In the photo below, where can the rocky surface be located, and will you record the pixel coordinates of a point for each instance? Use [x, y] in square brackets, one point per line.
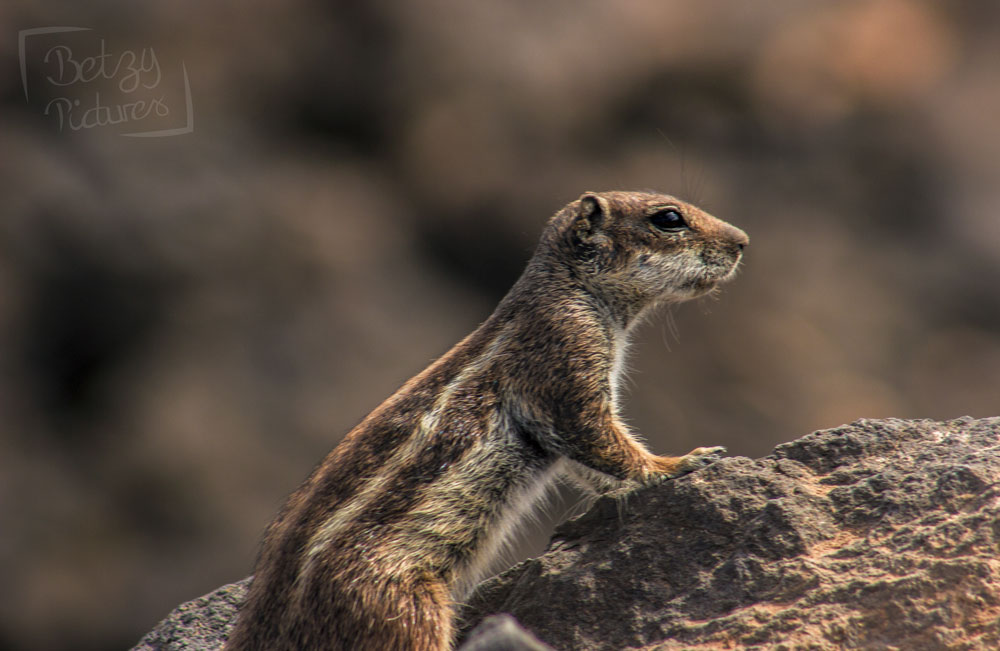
[199, 625]
[501, 633]
[876, 535]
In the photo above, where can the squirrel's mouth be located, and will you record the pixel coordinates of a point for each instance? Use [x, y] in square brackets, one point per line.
[721, 268]
[714, 273]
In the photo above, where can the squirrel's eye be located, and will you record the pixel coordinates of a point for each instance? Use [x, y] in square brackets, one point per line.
[668, 220]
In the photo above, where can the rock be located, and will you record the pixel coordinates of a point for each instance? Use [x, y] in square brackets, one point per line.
[876, 535]
[880, 534]
[502, 633]
[199, 625]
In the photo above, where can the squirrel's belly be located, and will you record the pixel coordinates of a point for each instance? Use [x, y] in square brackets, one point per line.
[462, 520]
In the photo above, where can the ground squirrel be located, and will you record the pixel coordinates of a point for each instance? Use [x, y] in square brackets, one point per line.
[406, 513]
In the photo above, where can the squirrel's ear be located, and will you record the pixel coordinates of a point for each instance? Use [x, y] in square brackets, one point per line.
[591, 216]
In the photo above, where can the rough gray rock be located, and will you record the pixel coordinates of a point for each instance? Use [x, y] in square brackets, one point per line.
[875, 535]
[501, 633]
[201, 624]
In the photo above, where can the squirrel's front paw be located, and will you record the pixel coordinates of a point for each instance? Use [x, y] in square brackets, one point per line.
[697, 459]
[664, 468]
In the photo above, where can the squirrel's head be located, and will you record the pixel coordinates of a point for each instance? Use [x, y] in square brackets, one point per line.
[643, 247]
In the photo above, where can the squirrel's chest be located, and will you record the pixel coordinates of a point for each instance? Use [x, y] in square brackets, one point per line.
[619, 360]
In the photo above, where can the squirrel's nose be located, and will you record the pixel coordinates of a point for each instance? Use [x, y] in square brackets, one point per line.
[738, 237]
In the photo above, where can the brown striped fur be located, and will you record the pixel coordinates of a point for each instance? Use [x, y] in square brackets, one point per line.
[408, 511]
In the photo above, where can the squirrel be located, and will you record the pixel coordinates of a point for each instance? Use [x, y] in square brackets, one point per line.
[373, 551]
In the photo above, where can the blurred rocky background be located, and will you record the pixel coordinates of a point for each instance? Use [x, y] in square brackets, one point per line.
[189, 323]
